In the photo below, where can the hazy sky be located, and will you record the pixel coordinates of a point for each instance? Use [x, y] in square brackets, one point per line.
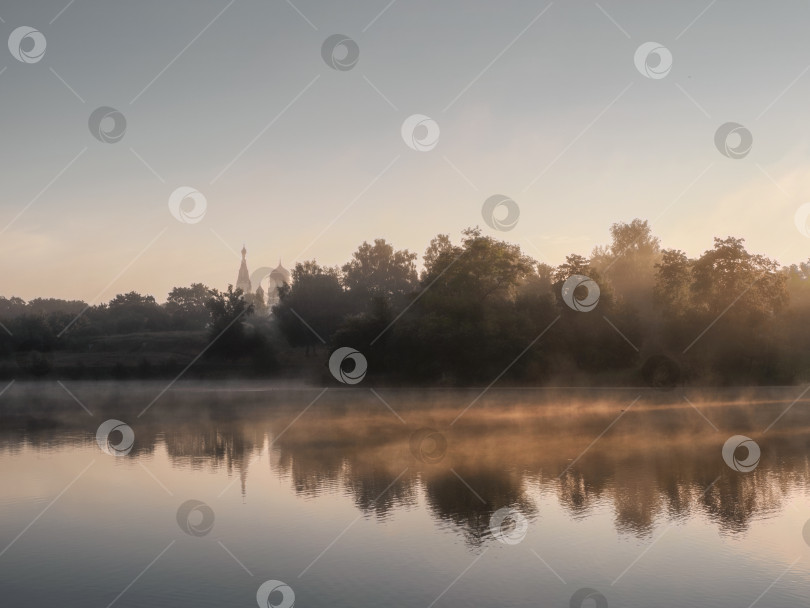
[300, 160]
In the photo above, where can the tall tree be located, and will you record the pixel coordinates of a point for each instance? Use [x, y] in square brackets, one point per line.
[313, 307]
[379, 271]
[188, 305]
[133, 312]
[10, 307]
[728, 273]
[133, 298]
[466, 321]
[228, 311]
[673, 282]
[628, 263]
[482, 268]
[574, 264]
[438, 255]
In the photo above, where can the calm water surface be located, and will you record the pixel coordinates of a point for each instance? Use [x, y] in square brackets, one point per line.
[350, 502]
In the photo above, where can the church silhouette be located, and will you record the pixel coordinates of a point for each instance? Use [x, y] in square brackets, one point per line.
[251, 284]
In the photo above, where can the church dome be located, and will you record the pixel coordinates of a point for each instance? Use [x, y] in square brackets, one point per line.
[280, 274]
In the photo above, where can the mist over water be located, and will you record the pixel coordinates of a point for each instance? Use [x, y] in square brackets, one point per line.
[386, 498]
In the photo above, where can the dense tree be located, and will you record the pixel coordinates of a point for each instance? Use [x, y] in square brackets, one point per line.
[465, 322]
[11, 307]
[574, 264]
[798, 284]
[482, 268]
[133, 298]
[439, 254]
[312, 309]
[673, 283]
[633, 240]
[379, 272]
[226, 331]
[723, 308]
[188, 305]
[628, 264]
[728, 273]
[133, 312]
[49, 306]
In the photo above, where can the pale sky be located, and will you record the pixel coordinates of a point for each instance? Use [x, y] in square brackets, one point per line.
[537, 101]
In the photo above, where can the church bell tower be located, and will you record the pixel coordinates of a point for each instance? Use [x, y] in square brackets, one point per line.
[243, 279]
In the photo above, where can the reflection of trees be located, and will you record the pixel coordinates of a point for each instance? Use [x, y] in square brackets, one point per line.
[378, 489]
[578, 494]
[451, 500]
[214, 445]
[311, 473]
[375, 488]
[660, 460]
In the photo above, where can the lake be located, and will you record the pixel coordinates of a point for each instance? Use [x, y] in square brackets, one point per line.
[120, 494]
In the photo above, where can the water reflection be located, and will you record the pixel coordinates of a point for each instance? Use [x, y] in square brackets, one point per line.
[659, 458]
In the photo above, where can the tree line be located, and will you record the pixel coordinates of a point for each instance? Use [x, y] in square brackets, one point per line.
[481, 309]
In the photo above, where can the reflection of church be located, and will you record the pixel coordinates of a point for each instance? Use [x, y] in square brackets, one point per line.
[276, 277]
